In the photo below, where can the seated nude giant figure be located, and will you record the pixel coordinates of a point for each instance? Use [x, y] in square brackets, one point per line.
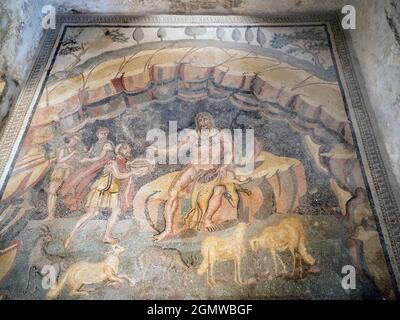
[205, 165]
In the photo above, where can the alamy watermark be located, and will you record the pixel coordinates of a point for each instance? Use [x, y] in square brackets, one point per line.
[49, 277]
[349, 279]
[205, 146]
[349, 20]
[49, 17]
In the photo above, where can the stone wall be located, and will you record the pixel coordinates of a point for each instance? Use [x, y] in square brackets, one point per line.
[373, 43]
[378, 55]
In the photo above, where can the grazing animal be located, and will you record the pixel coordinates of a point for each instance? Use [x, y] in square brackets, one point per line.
[215, 249]
[287, 235]
[164, 259]
[40, 257]
[84, 273]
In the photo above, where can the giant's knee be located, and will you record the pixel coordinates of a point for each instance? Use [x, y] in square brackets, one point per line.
[219, 191]
[173, 192]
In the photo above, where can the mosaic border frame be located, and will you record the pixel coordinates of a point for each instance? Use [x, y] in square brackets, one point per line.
[378, 175]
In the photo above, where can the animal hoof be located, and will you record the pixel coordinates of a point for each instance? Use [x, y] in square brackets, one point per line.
[252, 280]
[110, 240]
[116, 285]
[67, 243]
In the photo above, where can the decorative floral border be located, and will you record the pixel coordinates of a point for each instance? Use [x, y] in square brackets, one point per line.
[383, 191]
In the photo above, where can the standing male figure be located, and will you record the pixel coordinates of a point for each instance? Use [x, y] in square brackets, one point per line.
[101, 148]
[75, 188]
[61, 172]
[109, 192]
